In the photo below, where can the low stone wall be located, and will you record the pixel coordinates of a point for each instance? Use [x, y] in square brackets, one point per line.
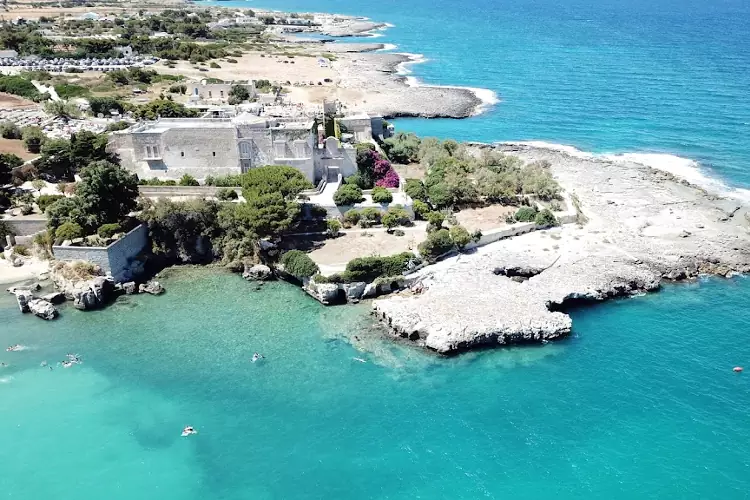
[28, 227]
[117, 260]
[177, 191]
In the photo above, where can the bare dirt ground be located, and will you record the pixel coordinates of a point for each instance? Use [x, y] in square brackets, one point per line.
[9, 101]
[16, 147]
[337, 252]
[484, 218]
[411, 171]
[33, 9]
[257, 66]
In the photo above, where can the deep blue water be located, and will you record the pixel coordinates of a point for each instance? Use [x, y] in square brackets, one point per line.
[640, 402]
[667, 76]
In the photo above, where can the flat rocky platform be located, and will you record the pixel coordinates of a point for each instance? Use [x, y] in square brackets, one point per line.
[644, 226]
[375, 75]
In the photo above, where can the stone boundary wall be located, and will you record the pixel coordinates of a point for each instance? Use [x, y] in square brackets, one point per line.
[28, 227]
[116, 260]
[177, 191]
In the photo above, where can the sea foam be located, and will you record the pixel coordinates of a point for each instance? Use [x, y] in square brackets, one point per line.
[683, 168]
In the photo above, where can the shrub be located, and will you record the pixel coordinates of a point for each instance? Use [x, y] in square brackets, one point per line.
[9, 130]
[27, 209]
[352, 217]
[5, 229]
[356, 180]
[299, 264]
[416, 190]
[526, 214]
[230, 60]
[436, 220]
[348, 194]
[369, 268]
[108, 230]
[381, 195]
[121, 125]
[46, 200]
[227, 194]
[333, 226]
[436, 244]
[371, 214]
[68, 231]
[188, 180]
[545, 218]
[460, 236]
[214, 65]
[33, 138]
[421, 209]
[21, 250]
[395, 217]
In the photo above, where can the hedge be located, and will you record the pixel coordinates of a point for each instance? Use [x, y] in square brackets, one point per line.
[299, 264]
[369, 268]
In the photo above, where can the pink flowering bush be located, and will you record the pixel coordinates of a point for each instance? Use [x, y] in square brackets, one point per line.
[389, 180]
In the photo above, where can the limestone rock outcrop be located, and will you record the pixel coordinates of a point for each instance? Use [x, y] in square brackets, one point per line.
[43, 309]
[151, 287]
[54, 298]
[637, 227]
[257, 272]
[92, 294]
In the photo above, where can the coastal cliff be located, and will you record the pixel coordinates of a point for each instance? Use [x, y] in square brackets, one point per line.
[639, 227]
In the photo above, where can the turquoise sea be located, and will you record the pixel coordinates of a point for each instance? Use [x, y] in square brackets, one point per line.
[639, 402]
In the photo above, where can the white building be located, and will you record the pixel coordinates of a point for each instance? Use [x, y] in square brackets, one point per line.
[170, 148]
[205, 92]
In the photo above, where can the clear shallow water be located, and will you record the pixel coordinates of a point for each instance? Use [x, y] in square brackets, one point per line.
[640, 402]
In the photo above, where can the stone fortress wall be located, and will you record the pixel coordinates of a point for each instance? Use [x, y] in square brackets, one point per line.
[117, 260]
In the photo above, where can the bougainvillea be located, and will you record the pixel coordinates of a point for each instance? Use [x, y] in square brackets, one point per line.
[389, 180]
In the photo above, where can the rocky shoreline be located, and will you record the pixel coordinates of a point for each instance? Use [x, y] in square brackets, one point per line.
[389, 94]
[640, 226]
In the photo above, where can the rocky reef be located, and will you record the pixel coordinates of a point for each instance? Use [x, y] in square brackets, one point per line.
[638, 227]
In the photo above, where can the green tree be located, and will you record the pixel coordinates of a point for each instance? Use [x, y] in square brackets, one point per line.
[435, 220]
[107, 193]
[238, 94]
[348, 194]
[402, 148]
[33, 138]
[381, 195]
[163, 108]
[9, 130]
[333, 226]
[282, 179]
[395, 217]
[105, 105]
[299, 264]
[65, 210]
[436, 244]
[545, 218]
[421, 209]
[188, 180]
[460, 236]
[8, 162]
[62, 109]
[69, 231]
[526, 214]
[416, 190]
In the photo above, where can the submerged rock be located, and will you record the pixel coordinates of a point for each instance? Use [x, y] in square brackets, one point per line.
[152, 287]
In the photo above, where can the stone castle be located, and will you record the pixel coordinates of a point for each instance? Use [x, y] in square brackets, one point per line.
[171, 147]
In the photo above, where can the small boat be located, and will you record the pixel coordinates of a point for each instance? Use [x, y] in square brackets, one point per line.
[360, 360]
[14, 348]
[737, 369]
[188, 431]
